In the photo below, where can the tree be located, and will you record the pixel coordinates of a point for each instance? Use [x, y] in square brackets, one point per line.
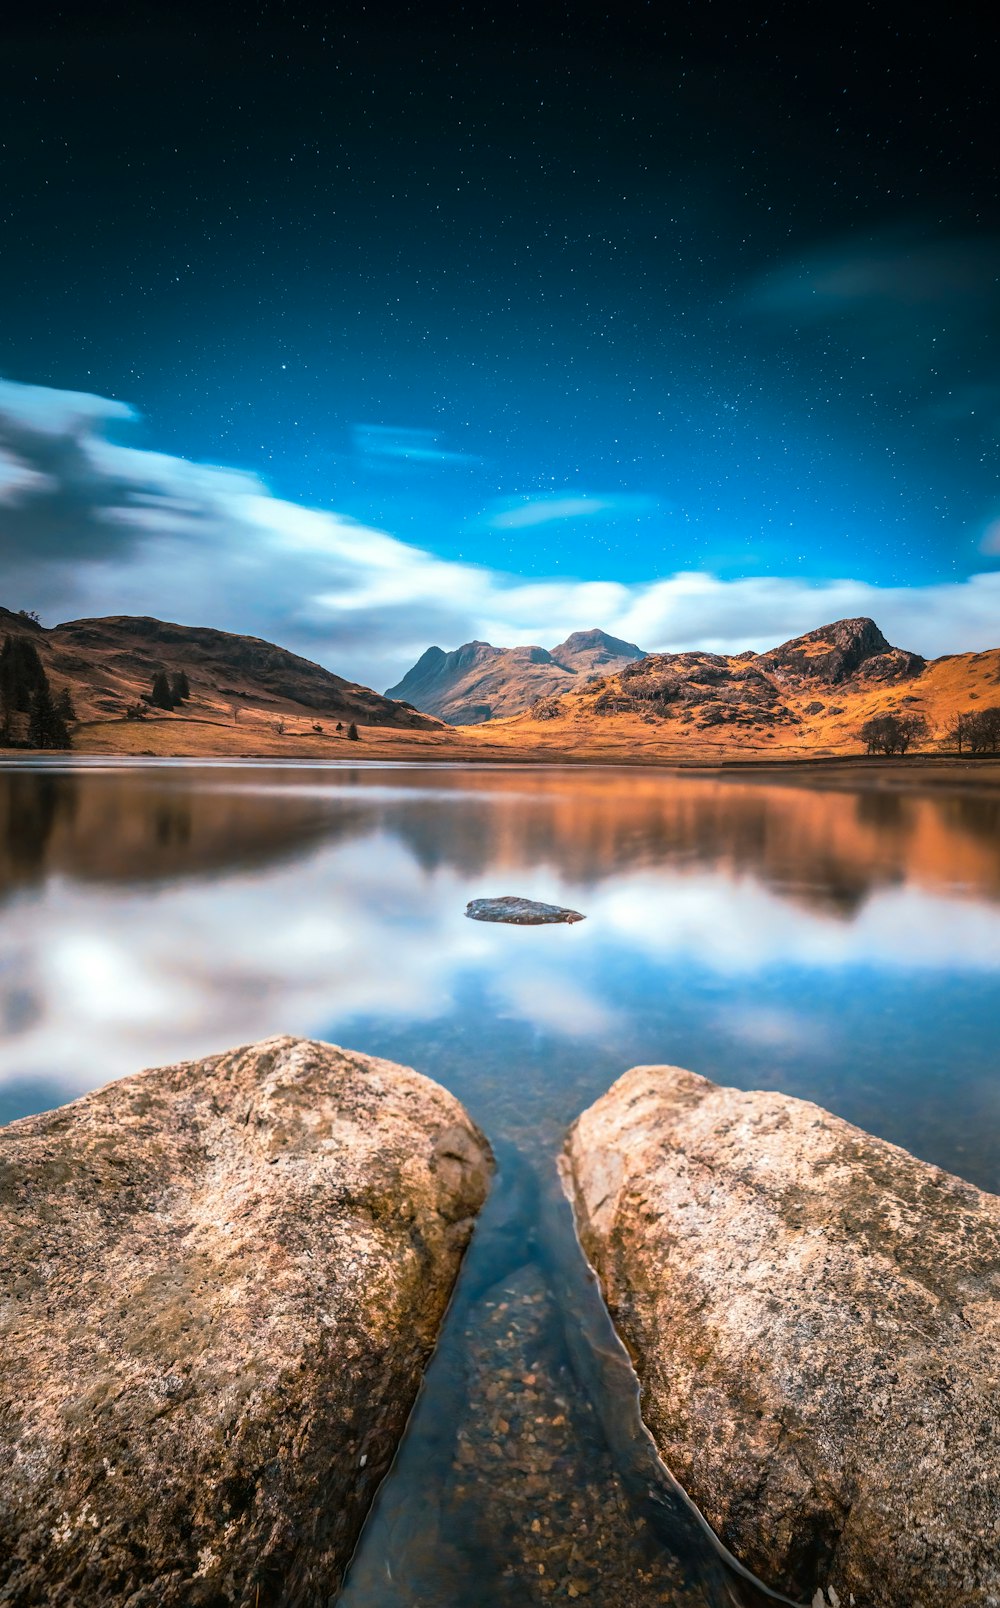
[978, 730]
[180, 687]
[340, 725]
[958, 732]
[352, 732]
[983, 730]
[893, 734]
[46, 726]
[160, 695]
[64, 705]
[22, 675]
[911, 731]
[991, 727]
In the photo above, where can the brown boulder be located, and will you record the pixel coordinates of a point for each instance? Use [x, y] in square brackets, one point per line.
[220, 1284]
[815, 1319]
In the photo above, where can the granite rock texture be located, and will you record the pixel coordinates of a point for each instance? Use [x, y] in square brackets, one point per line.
[220, 1283]
[814, 1316]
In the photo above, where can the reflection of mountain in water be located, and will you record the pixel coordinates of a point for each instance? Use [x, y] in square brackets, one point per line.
[145, 827]
[824, 850]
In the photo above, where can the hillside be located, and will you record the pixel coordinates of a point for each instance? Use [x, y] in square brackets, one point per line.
[478, 682]
[809, 695]
[109, 664]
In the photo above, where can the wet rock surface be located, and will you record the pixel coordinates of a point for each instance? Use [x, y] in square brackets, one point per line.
[220, 1283]
[815, 1317]
[520, 912]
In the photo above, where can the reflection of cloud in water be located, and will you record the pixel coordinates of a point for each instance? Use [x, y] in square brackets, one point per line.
[98, 983]
[762, 1027]
[738, 927]
[533, 994]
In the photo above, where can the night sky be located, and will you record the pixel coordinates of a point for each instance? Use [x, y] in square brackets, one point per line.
[549, 296]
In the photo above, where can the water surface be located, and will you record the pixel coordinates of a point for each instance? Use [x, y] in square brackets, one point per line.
[843, 946]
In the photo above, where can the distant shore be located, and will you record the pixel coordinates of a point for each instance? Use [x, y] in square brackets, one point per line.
[197, 739]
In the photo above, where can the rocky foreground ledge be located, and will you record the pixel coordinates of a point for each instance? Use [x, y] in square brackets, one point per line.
[815, 1319]
[219, 1284]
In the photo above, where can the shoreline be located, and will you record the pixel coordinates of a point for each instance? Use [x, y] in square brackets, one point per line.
[381, 745]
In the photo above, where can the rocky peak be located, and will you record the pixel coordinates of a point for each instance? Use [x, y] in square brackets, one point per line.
[835, 652]
[591, 650]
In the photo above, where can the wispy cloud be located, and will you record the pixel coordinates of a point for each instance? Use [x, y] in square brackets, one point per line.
[523, 512]
[895, 272]
[93, 527]
[395, 444]
[917, 312]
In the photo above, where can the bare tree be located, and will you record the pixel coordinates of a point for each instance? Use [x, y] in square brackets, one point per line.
[893, 734]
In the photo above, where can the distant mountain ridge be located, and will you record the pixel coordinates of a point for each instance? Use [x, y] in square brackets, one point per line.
[478, 682]
[781, 687]
[108, 664]
[812, 693]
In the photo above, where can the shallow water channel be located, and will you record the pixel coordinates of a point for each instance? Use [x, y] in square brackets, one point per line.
[842, 945]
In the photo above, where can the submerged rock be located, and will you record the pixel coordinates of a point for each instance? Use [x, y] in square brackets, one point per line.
[815, 1318]
[220, 1282]
[519, 912]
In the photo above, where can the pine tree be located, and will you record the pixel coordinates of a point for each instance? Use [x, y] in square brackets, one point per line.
[161, 697]
[180, 688]
[22, 674]
[64, 705]
[46, 726]
[352, 732]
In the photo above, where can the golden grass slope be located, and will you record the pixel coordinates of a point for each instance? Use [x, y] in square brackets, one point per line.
[712, 721]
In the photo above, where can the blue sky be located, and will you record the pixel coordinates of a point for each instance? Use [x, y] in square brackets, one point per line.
[575, 301]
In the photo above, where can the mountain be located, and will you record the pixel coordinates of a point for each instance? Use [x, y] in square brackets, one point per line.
[108, 664]
[812, 692]
[478, 682]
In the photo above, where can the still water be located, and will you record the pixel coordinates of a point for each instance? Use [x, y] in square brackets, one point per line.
[839, 945]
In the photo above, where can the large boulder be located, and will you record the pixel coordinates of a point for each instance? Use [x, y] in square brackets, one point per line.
[219, 1285]
[815, 1320]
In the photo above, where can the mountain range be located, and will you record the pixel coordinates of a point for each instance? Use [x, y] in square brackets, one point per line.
[591, 697]
[812, 692]
[478, 682]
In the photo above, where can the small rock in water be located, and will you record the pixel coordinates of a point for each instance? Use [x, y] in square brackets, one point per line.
[520, 912]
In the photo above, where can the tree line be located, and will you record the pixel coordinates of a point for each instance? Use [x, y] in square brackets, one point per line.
[975, 730]
[31, 714]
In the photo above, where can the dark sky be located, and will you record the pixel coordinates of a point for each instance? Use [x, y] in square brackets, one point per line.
[557, 292]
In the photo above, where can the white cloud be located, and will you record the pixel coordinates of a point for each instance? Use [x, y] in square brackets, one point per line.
[525, 513]
[134, 531]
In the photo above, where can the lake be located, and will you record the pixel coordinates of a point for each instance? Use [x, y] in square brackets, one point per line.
[839, 944]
